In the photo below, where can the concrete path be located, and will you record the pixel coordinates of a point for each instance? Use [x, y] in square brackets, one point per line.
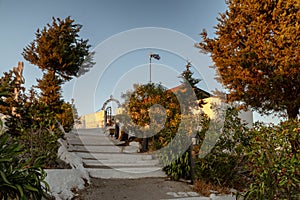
[103, 159]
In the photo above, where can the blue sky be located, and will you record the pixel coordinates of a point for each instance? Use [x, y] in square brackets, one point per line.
[122, 25]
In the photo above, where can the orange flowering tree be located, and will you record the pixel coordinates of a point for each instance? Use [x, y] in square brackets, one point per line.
[256, 53]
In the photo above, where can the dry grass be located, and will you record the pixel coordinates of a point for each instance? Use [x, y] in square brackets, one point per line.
[205, 188]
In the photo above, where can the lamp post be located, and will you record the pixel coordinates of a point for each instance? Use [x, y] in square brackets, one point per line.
[194, 141]
[191, 160]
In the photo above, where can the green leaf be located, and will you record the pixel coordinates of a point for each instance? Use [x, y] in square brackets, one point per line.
[3, 176]
[29, 187]
[5, 93]
[6, 160]
[21, 192]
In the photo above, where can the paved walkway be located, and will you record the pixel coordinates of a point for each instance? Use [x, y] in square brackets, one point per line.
[103, 160]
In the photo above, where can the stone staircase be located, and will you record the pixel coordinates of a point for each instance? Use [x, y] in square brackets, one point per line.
[103, 159]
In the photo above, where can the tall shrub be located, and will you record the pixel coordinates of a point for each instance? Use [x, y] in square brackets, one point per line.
[274, 166]
[222, 165]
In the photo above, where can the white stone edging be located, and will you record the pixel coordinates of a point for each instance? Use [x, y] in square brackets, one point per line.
[63, 182]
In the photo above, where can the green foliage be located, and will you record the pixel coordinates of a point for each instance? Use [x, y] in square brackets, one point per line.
[7, 82]
[35, 126]
[58, 48]
[146, 96]
[33, 119]
[75, 113]
[187, 78]
[274, 167]
[62, 55]
[40, 143]
[255, 52]
[176, 155]
[66, 118]
[179, 168]
[50, 92]
[160, 123]
[223, 163]
[153, 111]
[7, 85]
[18, 180]
[164, 123]
[261, 159]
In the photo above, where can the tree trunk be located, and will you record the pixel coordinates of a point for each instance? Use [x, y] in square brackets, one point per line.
[293, 112]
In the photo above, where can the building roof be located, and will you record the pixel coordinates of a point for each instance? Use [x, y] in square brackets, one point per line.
[181, 88]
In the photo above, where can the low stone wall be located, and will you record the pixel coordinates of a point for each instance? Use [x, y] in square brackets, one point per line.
[63, 182]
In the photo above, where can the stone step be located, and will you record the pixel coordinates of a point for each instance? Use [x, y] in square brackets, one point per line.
[89, 142]
[103, 159]
[126, 173]
[121, 163]
[95, 149]
[95, 140]
[118, 167]
[94, 131]
[115, 156]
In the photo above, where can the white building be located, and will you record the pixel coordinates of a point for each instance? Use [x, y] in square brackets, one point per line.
[210, 109]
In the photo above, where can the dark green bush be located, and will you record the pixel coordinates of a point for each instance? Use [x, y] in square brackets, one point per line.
[179, 168]
[18, 179]
[176, 155]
